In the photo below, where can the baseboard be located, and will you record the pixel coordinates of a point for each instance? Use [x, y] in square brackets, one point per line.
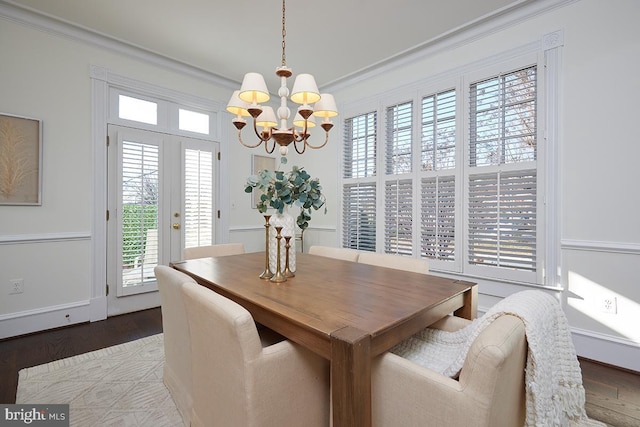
[607, 349]
[26, 322]
[601, 347]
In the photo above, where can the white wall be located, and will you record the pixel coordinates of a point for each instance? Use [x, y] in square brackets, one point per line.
[46, 76]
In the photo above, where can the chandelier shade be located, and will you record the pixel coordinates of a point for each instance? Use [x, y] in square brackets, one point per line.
[325, 107]
[237, 106]
[305, 91]
[254, 89]
[298, 121]
[267, 119]
[275, 130]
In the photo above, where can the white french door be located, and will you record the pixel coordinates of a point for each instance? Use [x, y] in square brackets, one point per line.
[161, 198]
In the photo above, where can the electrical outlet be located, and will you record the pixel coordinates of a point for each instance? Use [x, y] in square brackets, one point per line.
[17, 286]
[609, 305]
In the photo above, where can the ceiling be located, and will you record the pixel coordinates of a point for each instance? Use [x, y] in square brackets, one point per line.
[331, 39]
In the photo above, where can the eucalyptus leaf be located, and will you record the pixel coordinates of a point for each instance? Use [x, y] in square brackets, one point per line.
[294, 188]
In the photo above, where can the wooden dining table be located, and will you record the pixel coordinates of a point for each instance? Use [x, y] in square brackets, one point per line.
[346, 312]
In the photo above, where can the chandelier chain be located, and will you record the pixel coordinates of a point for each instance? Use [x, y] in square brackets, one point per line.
[284, 33]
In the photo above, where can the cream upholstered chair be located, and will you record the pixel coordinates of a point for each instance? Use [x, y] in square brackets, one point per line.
[177, 339]
[416, 265]
[222, 249]
[239, 381]
[338, 253]
[490, 390]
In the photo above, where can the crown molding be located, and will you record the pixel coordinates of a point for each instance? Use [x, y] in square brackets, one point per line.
[500, 20]
[27, 17]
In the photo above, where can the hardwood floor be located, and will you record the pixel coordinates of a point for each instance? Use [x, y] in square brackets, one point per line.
[613, 395]
[43, 347]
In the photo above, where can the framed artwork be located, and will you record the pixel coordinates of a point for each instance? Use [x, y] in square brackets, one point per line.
[20, 160]
[259, 163]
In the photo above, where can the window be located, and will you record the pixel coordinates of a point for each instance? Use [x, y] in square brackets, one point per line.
[399, 143]
[360, 146]
[398, 192]
[137, 110]
[438, 179]
[128, 108]
[193, 121]
[502, 172]
[463, 194]
[359, 188]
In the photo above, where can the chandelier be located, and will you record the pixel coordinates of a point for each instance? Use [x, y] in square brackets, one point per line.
[253, 92]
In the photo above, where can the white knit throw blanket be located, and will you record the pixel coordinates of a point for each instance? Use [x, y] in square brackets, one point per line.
[554, 392]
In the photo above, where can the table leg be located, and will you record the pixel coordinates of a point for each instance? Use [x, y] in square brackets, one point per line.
[470, 308]
[351, 378]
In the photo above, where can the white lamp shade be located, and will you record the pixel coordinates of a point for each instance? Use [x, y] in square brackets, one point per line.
[305, 90]
[298, 121]
[267, 118]
[237, 106]
[254, 89]
[325, 107]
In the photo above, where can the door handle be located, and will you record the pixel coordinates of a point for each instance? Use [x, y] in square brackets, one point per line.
[176, 225]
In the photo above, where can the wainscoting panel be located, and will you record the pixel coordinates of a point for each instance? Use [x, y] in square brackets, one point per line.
[55, 272]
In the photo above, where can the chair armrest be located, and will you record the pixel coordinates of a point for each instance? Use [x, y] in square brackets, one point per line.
[490, 392]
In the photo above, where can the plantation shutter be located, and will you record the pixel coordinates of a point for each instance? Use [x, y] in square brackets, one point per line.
[438, 225]
[398, 224]
[360, 146]
[502, 220]
[399, 139]
[198, 198]
[359, 216]
[503, 119]
[139, 189]
[359, 187]
[502, 177]
[439, 131]
[438, 182]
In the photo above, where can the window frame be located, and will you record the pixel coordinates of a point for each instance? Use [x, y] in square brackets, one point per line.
[460, 80]
[167, 115]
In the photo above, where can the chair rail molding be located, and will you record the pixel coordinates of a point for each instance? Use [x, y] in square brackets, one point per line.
[600, 246]
[13, 239]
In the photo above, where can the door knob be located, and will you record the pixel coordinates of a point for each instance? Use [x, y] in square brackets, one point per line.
[176, 225]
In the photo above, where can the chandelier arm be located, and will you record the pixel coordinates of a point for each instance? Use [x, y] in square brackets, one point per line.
[264, 136]
[304, 146]
[301, 136]
[245, 144]
[315, 147]
[266, 147]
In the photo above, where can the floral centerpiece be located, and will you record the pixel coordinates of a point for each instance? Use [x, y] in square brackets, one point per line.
[293, 188]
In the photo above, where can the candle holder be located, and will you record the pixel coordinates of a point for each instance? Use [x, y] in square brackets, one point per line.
[287, 271]
[267, 273]
[278, 277]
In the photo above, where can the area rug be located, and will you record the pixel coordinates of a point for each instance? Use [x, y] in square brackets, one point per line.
[116, 386]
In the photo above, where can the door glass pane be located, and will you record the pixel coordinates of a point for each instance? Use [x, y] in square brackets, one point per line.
[198, 198]
[139, 237]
